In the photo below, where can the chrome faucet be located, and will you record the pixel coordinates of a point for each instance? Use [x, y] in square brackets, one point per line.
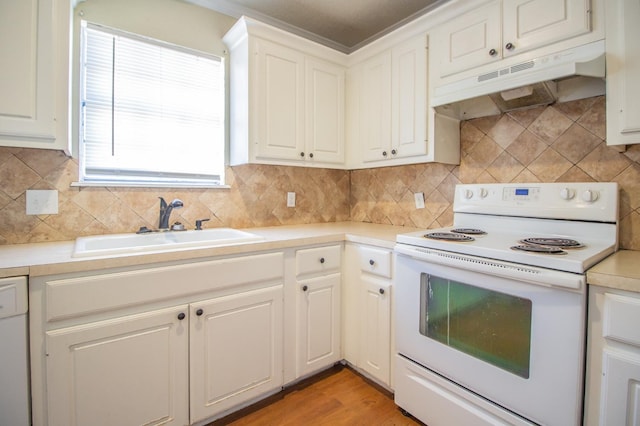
[165, 211]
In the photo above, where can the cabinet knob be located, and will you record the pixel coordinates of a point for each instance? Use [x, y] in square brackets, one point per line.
[371, 262]
[509, 46]
[322, 260]
[381, 291]
[394, 152]
[311, 155]
[384, 153]
[302, 154]
[181, 316]
[199, 312]
[305, 288]
[493, 52]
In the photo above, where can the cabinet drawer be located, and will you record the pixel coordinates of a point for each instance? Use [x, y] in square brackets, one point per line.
[621, 319]
[86, 295]
[375, 261]
[317, 260]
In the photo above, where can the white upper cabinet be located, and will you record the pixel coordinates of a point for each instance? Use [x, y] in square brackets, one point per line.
[375, 108]
[623, 69]
[287, 98]
[279, 101]
[409, 98]
[390, 91]
[34, 57]
[325, 103]
[500, 29]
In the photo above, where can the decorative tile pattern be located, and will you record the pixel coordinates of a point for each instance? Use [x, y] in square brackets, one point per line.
[559, 143]
[564, 142]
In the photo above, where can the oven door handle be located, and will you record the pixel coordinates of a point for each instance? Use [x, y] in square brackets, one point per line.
[529, 274]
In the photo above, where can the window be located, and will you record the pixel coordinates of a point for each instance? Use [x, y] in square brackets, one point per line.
[152, 113]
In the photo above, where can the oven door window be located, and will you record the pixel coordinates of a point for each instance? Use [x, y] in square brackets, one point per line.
[491, 326]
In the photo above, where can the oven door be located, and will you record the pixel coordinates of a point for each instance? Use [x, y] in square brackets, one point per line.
[518, 344]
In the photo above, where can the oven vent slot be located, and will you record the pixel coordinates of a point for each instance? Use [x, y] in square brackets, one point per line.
[489, 263]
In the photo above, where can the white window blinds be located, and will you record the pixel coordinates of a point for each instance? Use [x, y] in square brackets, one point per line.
[151, 112]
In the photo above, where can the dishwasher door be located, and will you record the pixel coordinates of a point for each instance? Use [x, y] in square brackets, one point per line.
[14, 354]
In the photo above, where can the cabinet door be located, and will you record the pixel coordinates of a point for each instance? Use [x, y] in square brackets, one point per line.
[470, 40]
[128, 371]
[375, 108]
[279, 105]
[375, 349]
[623, 69]
[324, 122]
[409, 107]
[529, 24]
[236, 349]
[27, 55]
[620, 393]
[318, 323]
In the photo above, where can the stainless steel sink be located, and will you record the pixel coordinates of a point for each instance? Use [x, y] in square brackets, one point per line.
[100, 245]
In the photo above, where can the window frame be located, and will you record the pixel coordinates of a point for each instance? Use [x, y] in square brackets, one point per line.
[162, 179]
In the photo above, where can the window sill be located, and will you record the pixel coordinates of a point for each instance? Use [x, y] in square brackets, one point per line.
[112, 184]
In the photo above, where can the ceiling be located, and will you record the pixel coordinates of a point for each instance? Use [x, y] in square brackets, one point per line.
[344, 25]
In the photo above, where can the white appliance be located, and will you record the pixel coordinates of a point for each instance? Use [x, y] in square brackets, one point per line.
[488, 332]
[561, 76]
[14, 359]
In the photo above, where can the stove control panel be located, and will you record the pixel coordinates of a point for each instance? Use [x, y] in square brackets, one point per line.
[596, 201]
[521, 194]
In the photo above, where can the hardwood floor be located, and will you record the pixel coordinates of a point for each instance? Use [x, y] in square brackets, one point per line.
[338, 396]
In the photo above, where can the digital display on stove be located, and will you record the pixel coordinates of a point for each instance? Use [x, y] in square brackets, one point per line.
[520, 195]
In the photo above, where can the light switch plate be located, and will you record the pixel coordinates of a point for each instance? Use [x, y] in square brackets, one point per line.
[42, 201]
[419, 197]
[291, 199]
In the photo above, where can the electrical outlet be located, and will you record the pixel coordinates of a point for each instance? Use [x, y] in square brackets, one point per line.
[42, 202]
[291, 199]
[419, 197]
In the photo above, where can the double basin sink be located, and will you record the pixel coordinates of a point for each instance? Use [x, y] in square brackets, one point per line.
[101, 245]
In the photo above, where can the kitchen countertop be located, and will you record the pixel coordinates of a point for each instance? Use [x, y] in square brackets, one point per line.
[619, 271]
[55, 258]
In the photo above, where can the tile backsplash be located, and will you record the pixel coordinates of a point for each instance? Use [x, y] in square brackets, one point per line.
[564, 142]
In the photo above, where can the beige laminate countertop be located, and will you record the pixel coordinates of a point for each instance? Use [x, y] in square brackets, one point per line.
[619, 271]
[56, 258]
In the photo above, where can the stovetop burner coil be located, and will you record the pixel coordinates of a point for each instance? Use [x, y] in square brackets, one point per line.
[553, 242]
[531, 248]
[468, 231]
[448, 236]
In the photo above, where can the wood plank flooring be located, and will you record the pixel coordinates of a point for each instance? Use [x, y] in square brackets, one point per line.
[338, 396]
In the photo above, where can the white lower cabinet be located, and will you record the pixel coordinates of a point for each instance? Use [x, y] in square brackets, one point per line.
[318, 304]
[367, 324]
[613, 358]
[235, 350]
[128, 371]
[375, 329]
[162, 345]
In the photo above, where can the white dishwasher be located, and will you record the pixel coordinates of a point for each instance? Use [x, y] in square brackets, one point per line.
[14, 353]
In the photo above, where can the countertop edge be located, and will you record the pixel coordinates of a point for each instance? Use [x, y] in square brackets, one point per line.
[52, 258]
[620, 271]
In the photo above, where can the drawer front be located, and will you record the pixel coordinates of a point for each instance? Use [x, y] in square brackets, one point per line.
[621, 319]
[86, 295]
[318, 260]
[375, 261]
[13, 296]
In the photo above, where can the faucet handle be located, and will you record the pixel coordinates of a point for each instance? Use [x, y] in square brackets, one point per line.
[199, 223]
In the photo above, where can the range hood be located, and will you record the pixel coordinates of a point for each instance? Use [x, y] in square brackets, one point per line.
[559, 77]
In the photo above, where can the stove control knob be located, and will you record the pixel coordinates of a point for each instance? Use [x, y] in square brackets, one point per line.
[483, 193]
[567, 193]
[590, 196]
[468, 194]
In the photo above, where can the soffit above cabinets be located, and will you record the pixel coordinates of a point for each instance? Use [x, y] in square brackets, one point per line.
[344, 25]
